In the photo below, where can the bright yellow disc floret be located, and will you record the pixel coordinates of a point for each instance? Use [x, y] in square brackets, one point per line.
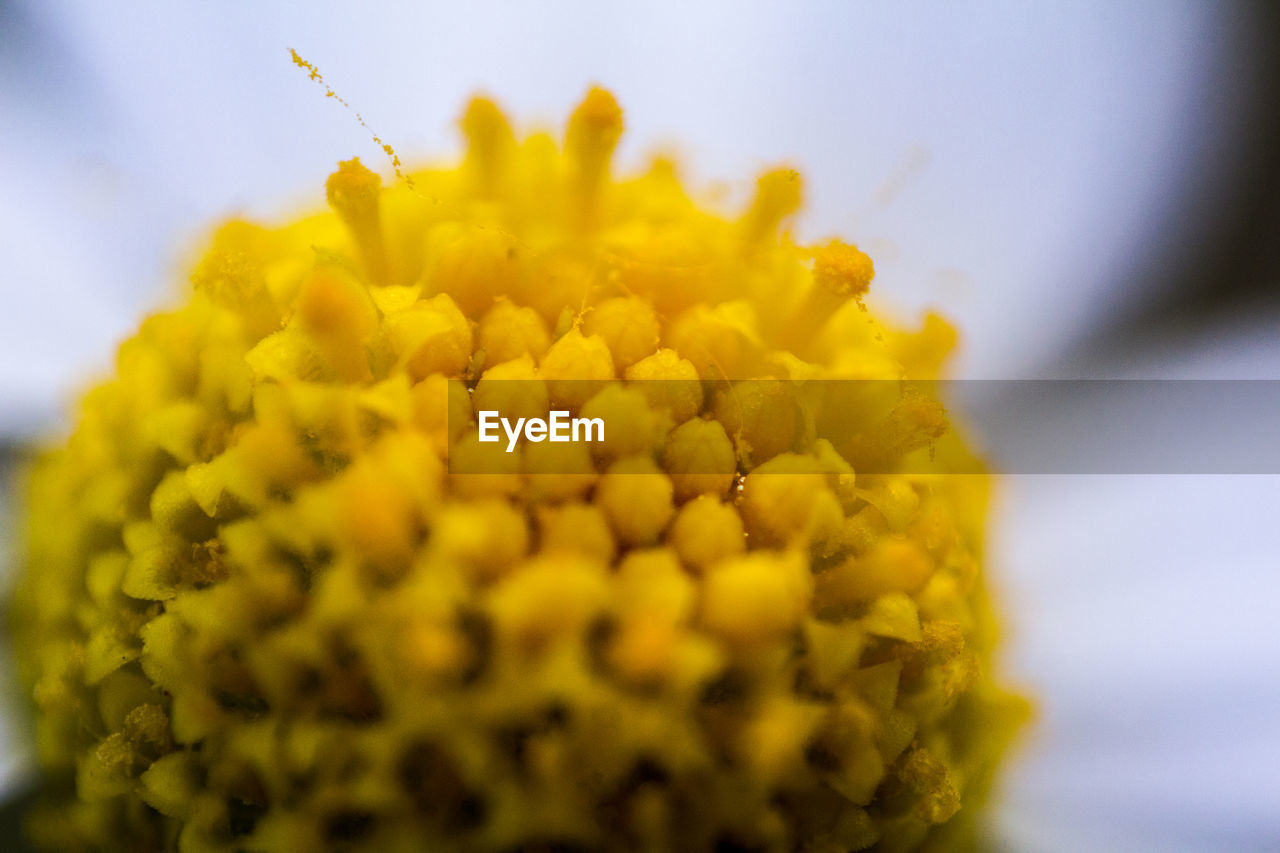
[279, 596]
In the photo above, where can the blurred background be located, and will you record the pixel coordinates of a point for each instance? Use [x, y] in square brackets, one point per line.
[1087, 189]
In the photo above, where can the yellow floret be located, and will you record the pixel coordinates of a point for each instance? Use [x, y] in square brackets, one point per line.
[514, 388]
[699, 458]
[354, 192]
[842, 269]
[576, 367]
[509, 331]
[580, 528]
[628, 326]
[788, 500]
[632, 427]
[431, 336]
[707, 531]
[490, 143]
[475, 265]
[779, 194]
[757, 597]
[669, 382]
[637, 497]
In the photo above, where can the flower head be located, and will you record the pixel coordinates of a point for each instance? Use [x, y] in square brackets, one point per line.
[279, 595]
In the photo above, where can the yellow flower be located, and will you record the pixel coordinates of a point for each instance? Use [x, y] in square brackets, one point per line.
[278, 596]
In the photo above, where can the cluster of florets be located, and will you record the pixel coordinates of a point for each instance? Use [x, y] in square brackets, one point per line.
[278, 595]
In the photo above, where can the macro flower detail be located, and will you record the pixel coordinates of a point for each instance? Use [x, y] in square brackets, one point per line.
[278, 594]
